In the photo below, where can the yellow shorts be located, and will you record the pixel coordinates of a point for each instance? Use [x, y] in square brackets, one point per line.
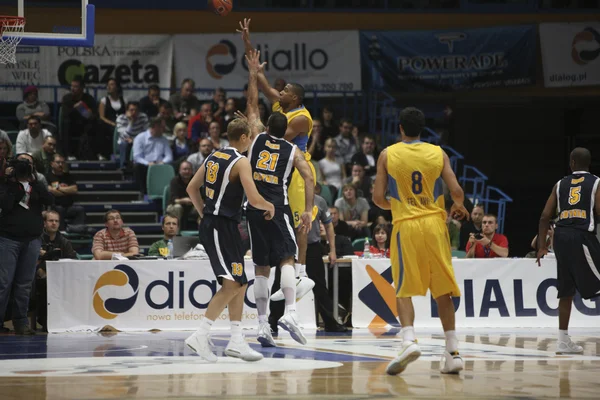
[422, 259]
[296, 193]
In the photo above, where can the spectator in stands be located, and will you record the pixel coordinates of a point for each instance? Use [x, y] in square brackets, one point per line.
[166, 113]
[111, 106]
[330, 128]
[5, 148]
[78, 115]
[151, 103]
[453, 230]
[549, 240]
[170, 227]
[360, 181]
[44, 156]
[331, 166]
[214, 132]
[354, 210]
[180, 203]
[22, 200]
[198, 158]
[199, 124]
[229, 115]
[377, 216]
[185, 101]
[54, 247]
[217, 103]
[472, 226]
[130, 125]
[64, 188]
[32, 139]
[367, 156]
[380, 245]
[4, 135]
[346, 144]
[316, 141]
[149, 148]
[490, 244]
[114, 239]
[182, 147]
[263, 112]
[33, 107]
[340, 226]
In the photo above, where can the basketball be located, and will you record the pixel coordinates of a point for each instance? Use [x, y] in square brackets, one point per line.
[220, 7]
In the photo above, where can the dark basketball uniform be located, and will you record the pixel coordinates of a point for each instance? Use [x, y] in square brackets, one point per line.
[219, 233]
[575, 243]
[272, 165]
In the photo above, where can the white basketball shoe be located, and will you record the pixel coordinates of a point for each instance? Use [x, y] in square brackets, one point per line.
[451, 363]
[200, 344]
[303, 285]
[265, 336]
[568, 347]
[289, 322]
[410, 352]
[240, 349]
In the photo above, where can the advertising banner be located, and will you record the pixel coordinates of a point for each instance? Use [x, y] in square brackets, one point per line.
[571, 53]
[419, 61]
[325, 61]
[143, 295]
[134, 60]
[510, 293]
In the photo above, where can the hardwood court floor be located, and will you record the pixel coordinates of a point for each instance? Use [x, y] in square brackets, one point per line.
[498, 364]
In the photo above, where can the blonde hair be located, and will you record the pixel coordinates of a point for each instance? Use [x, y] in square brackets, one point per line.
[179, 125]
[236, 129]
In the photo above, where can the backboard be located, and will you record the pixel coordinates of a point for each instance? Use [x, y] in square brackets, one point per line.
[53, 22]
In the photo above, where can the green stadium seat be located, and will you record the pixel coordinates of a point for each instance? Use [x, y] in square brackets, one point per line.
[327, 195]
[165, 198]
[459, 253]
[358, 244]
[188, 233]
[157, 178]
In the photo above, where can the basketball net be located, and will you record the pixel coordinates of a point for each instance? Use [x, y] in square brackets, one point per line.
[9, 26]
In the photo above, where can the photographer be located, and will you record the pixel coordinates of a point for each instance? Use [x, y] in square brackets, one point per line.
[54, 247]
[487, 244]
[22, 199]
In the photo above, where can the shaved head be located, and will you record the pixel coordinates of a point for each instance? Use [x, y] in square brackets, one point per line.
[581, 158]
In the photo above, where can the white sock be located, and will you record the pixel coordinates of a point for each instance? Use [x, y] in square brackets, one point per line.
[236, 331]
[288, 287]
[302, 270]
[297, 269]
[408, 333]
[563, 335]
[451, 341]
[261, 295]
[205, 326]
[262, 319]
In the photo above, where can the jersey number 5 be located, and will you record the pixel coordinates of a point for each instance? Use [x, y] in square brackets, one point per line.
[267, 161]
[574, 195]
[212, 169]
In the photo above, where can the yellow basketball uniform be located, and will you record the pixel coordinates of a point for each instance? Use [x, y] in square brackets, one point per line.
[420, 245]
[296, 193]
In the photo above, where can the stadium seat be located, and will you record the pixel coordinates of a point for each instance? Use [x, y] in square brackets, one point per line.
[327, 195]
[12, 135]
[459, 254]
[358, 244]
[165, 198]
[188, 233]
[157, 178]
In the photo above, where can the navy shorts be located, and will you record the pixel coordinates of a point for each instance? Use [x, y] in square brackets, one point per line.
[274, 240]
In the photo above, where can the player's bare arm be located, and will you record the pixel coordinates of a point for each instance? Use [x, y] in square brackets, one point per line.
[252, 112]
[458, 210]
[381, 183]
[297, 127]
[193, 190]
[303, 168]
[547, 214]
[244, 170]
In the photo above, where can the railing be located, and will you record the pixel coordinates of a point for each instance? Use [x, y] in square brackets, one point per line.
[472, 175]
[500, 202]
[454, 157]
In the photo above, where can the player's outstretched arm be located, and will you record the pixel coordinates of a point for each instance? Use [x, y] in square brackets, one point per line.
[381, 183]
[296, 127]
[547, 214]
[458, 210]
[303, 168]
[193, 190]
[252, 112]
[254, 198]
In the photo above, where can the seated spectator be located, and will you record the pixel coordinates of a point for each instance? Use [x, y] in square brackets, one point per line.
[185, 101]
[180, 204]
[472, 226]
[5, 148]
[198, 158]
[330, 128]
[340, 227]
[44, 156]
[198, 127]
[151, 103]
[380, 245]
[367, 156]
[4, 135]
[490, 244]
[64, 188]
[453, 230]
[54, 247]
[549, 240]
[33, 107]
[229, 115]
[166, 112]
[111, 106]
[78, 121]
[149, 148]
[377, 216]
[129, 125]
[170, 227]
[331, 166]
[32, 139]
[354, 210]
[217, 104]
[360, 181]
[114, 239]
[346, 145]
[316, 141]
[214, 132]
[182, 147]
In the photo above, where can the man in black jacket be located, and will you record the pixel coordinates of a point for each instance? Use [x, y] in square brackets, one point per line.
[22, 200]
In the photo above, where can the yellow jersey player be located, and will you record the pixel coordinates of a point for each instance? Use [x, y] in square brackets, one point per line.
[289, 102]
[412, 172]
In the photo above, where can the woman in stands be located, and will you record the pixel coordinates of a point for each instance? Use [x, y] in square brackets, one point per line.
[381, 241]
[214, 134]
[110, 106]
[182, 146]
[333, 173]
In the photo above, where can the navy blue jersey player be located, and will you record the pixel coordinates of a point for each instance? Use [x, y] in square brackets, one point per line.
[224, 177]
[575, 200]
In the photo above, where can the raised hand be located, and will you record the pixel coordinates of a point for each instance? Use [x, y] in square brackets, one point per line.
[253, 60]
[245, 30]
[241, 115]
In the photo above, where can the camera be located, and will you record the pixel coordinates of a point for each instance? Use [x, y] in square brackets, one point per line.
[20, 168]
[478, 236]
[52, 253]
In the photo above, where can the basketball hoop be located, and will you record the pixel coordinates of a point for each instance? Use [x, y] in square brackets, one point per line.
[9, 26]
